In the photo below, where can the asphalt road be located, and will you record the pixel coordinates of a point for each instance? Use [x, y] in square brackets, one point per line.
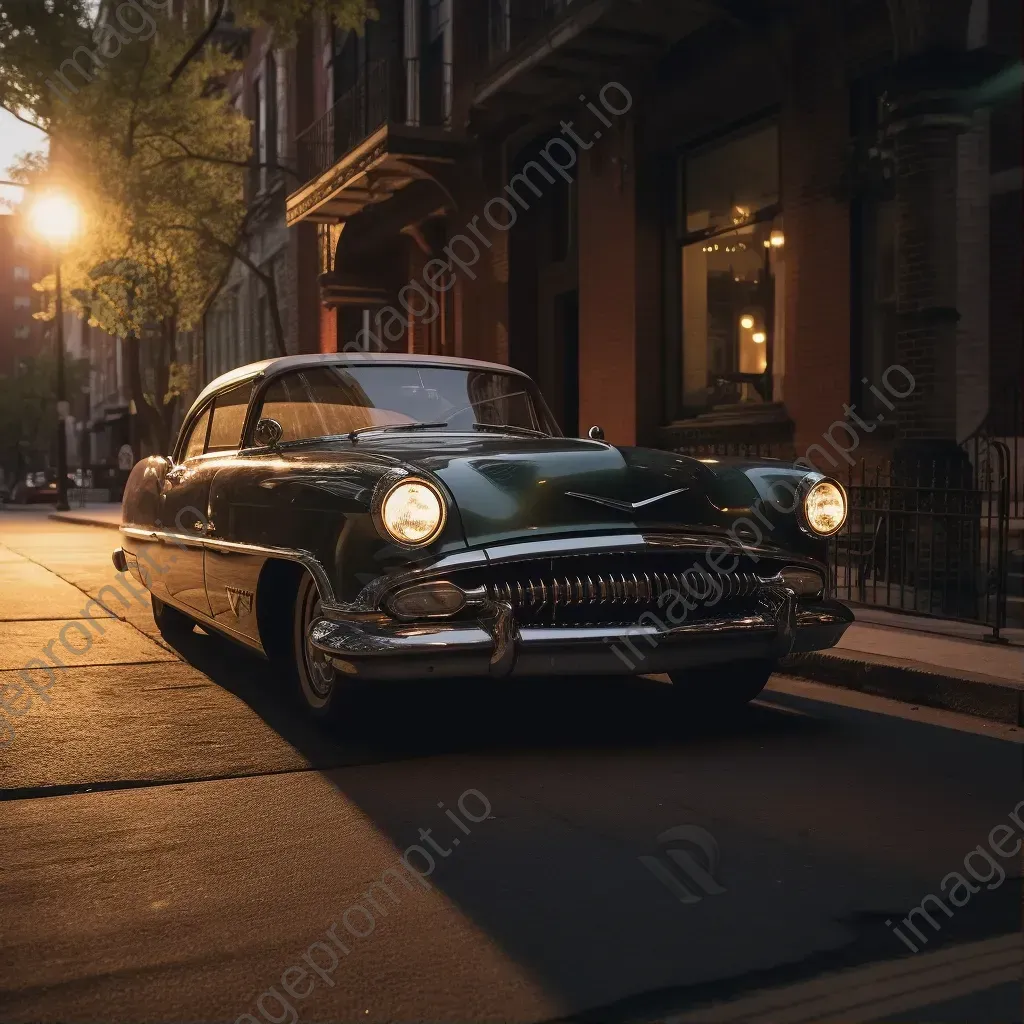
[178, 844]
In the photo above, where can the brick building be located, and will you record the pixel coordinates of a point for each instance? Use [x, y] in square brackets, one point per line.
[21, 265]
[691, 222]
[238, 326]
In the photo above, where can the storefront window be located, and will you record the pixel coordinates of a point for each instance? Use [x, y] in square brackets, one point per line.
[733, 255]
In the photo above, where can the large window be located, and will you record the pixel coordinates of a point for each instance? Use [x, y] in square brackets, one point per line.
[732, 270]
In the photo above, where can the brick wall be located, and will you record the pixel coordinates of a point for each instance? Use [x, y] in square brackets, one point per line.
[972, 231]
[926, 291]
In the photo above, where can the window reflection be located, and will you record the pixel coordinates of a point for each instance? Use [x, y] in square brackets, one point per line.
[733, 272]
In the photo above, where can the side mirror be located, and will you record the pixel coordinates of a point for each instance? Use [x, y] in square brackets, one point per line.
[595, 434]
[268, 433]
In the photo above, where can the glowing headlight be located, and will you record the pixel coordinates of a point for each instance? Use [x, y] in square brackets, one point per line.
[412, 513]
[825, 508]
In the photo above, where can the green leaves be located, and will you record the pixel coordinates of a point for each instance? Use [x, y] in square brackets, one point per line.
[284, 16]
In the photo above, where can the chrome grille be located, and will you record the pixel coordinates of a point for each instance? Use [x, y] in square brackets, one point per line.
[621, 589]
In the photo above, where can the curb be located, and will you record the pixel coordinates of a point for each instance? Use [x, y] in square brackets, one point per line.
[913, 683]
[70, 517]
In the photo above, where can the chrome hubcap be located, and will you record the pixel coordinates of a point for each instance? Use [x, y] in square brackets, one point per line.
[319, 670]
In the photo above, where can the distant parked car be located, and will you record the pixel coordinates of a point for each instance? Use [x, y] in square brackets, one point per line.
[38, 488]
[404, 516]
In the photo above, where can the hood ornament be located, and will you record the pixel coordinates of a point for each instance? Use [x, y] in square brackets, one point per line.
[625, 506]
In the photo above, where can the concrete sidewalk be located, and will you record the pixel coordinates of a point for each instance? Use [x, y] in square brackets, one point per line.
[932, 662]
[107, 514]
[918, 660]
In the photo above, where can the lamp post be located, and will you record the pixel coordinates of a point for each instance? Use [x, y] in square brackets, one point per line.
[56, 219]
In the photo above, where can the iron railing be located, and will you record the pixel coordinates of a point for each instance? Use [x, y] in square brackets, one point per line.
[1004, 423]
[370, 103]
[512, 22]
[929, 539]
[378, 97]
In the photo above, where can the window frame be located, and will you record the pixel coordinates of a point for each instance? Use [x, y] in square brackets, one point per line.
[679, 238]
[208, 404]
[185, 435]
[228, 389]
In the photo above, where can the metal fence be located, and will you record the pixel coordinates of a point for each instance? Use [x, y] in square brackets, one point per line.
[359, 112]
[928, 539]
[1005, 424]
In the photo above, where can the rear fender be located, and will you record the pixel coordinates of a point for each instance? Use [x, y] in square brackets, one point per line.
[141, 503]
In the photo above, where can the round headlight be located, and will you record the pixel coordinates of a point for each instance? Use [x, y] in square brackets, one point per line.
[825, 508]
[413, 513]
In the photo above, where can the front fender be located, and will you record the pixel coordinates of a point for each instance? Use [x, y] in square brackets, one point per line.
[322, 509]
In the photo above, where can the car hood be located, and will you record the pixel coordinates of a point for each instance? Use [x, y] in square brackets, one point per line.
[509, 488]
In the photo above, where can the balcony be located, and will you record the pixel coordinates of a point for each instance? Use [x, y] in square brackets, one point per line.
[544, 53]
[388, 130]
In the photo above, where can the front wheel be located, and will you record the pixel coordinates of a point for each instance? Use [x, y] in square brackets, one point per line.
[317, 684]
[173, 625]
[715, 689]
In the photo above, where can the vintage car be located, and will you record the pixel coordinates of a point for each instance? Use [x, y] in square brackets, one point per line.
[380, 517]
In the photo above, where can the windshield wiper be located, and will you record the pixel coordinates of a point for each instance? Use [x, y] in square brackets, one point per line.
[509, 428]
[395, 426]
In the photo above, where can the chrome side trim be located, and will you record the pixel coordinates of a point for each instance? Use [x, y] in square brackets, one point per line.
[305, 558]
[564, 546]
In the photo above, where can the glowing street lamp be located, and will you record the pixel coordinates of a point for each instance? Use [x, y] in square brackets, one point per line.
[57, 220]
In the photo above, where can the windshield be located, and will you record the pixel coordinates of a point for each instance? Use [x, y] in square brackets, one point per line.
[331, 401]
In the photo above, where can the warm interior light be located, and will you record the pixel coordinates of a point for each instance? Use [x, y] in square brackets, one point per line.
[778, 239]
[746, 322]
[55, 218]
[759, 337]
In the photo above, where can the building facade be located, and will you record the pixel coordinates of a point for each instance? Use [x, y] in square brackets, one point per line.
[22, 264]
[691, 223]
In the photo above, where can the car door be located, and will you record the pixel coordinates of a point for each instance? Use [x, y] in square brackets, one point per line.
[184, 509]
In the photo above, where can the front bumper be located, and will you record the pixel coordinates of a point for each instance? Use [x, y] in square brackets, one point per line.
[497, 646]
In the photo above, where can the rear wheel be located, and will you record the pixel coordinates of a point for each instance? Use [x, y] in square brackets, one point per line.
[317, 684]
[715, 689]
[173, 625]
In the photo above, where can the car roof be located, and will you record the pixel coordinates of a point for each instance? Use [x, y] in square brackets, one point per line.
[283, 364]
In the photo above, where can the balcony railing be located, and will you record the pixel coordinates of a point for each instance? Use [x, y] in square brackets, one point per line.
[511, 22]
[383, 94]
[370, 103]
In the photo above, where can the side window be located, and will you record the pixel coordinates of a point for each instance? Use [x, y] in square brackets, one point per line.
[197, 436]
[228, 418]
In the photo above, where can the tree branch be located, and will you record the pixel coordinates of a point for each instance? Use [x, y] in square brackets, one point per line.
[238, 252]
[24, 120]
[196, 46]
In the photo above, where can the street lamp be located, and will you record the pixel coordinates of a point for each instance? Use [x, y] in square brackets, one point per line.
[56, 219]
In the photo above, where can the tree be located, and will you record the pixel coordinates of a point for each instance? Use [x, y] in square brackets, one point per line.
[41, 39]
[134, 148]
[152, 146]
[28, 412]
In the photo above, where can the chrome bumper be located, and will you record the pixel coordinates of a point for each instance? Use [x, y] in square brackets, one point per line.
[496, 646]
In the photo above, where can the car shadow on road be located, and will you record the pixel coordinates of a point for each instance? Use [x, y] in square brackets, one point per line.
[564, 893]
[401, 720]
